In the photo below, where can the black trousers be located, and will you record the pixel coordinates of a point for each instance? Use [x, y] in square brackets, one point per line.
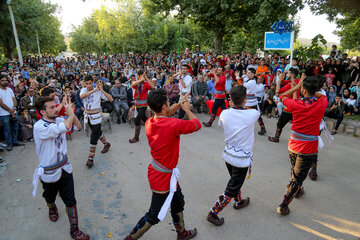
[284, 118]
[338, 117]
[64, 186]
[218, 103]
[140, 116]
[268, 107]
[95, 132]
[300, 166]
[237, 178]
[157, 201]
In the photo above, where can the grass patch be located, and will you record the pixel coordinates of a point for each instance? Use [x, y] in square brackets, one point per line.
[353, 117]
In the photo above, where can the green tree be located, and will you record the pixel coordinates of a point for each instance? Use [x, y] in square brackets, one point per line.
[30, 16]
[317, 47]
[224, 17]
[346, 14]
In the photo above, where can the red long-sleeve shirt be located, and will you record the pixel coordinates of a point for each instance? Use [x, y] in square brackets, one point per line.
[307, 116]
[164, 140]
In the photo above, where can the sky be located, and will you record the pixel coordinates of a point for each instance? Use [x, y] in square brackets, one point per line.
[74, 11]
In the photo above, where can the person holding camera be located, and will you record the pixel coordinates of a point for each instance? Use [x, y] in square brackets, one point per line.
[118, 92]
[93, 116]
[172, 90]
[141, 88]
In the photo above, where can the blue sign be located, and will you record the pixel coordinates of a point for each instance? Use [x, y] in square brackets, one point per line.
[282, 27]
[278, 41]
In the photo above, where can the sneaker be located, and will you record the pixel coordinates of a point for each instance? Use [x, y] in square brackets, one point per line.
[9, 148]
[17, 144]
[214, 219]
[243, 203]
[3, 145]
[118, 121]
[1, 149]
[283, 209]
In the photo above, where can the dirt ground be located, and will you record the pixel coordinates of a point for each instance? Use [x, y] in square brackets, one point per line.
[114, 202]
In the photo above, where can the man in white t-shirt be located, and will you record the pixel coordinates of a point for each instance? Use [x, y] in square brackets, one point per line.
[93, 115]
[55, 170]
[185, 83]
[8, 115]
[238, 124]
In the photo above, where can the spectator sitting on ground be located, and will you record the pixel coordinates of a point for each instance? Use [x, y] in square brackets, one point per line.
[335, 111]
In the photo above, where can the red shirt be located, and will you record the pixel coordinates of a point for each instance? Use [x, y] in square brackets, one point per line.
[164, 140]
[140, 98]
[220, 87]
[307, 116]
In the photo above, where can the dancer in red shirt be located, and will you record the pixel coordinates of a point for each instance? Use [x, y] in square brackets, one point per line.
[220, 95]
[303, 143]
[164, 138]
[141, 88]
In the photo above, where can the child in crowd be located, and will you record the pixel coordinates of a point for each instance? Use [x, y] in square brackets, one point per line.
[330, 77]
[350, 104]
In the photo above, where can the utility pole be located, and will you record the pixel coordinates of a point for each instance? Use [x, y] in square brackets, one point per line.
[179, 40]
[8, 2]
[38, 45]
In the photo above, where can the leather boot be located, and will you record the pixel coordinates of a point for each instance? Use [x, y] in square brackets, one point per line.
[182, 233]
[209, 123]
[137, 134]
[277, 136]
[53, 212]
[137, 233]
[218, 207]
[75, 232]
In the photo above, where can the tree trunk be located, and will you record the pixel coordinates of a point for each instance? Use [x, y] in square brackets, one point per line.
[218, 41]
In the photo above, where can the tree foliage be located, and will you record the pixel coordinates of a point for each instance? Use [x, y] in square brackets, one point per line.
[223, 18]
[30, 16]
[317, 47]
[131, 28]
[346, 14]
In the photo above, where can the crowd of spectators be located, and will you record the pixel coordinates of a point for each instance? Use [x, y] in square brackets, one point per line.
[21, 86]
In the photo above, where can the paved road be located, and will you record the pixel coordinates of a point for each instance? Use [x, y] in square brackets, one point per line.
[113, 202]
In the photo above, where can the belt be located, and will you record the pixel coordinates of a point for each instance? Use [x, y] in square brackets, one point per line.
[39, 171]
[219, 92]
[140, 101]
[92, 112]
[303, 137]
[250, 96]
[175, 175]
